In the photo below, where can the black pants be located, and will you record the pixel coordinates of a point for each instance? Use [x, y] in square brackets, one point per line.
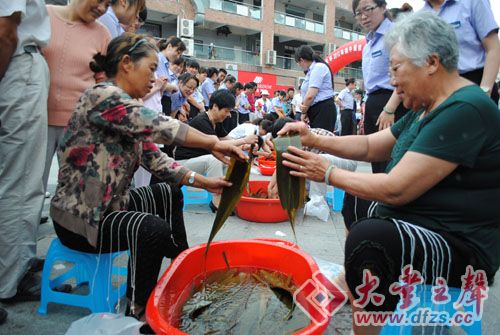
[346, 122]
[354, 209]
[152, 228]
[323, 115]
[166, 105]
[374, 105]
[476, 76]
[377, 245]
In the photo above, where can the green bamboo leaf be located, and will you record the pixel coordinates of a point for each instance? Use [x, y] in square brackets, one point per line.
[238, 174]
[291, 189]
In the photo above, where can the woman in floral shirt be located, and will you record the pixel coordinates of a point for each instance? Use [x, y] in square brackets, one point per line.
[109, 135]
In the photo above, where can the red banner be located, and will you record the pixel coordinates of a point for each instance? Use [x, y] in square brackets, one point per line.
[345, 55]
[264, 81]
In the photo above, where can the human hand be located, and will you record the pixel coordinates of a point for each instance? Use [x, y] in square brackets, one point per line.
[251, 139]
[304, 108]
[214, 185]
[222, 149]
[384, 120]
[306, 164]
[306, 137]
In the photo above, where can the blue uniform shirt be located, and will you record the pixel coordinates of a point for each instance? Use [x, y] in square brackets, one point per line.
[110, 21]
[318, 76]
[375, 62]
[177, 101]
[243, 101]
[347, 99]
[163, 70]
[472, 20]
[207, 88]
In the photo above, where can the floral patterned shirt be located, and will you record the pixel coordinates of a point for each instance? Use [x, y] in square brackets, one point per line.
[108, 136]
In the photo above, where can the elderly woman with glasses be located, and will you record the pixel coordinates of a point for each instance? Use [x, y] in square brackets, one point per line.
[435, 209]
[383, 105]
[110, 134]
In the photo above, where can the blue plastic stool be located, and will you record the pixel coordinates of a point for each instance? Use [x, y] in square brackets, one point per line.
[424, 293]
[93, 269]
[198, 197]
[335, 199]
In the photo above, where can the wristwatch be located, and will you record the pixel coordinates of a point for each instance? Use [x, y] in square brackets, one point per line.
[191, 178]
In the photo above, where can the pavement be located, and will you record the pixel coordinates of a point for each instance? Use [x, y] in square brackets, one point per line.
[322, 240]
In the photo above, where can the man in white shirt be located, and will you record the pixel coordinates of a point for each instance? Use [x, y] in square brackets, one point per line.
[296, 102]
[24, 83]
[263, 105]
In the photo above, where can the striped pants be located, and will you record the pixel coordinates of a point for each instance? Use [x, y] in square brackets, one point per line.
[152, 228]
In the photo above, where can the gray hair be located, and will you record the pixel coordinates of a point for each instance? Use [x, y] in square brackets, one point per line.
[420, 35]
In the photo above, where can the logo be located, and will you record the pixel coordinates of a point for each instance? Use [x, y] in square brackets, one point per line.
[258, 79]
[319, 298]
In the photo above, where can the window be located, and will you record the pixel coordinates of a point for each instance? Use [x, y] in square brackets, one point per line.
[317, 17]
[296, 11]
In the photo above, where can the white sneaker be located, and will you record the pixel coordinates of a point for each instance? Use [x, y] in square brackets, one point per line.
[47, 194]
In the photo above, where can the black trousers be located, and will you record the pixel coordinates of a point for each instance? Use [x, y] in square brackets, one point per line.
[346, 120]
[152, 228]
[323, 115]
[476, 76]
[374, 105]
[384, 247]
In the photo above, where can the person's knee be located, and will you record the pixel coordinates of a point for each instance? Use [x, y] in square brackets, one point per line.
[369, 246]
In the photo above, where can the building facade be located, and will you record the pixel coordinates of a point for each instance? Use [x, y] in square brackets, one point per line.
[257, 36]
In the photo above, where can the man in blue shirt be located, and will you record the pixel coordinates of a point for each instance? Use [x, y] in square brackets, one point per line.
[208, 86]
[346, 103]
[477, 34]
[244, 104]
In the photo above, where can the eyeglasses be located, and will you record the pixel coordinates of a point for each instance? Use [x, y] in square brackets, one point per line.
[366, 11]
[393, 69]
[137, 44]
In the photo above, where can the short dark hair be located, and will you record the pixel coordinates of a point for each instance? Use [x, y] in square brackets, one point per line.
[282, 93]
[193, 64]
[290, 89]
[211, 71]
[223, 99]
[267, 125]
[379, 3]
[349, 81]
[202, 69]
[231, 79]
[223, 70]
[253, 83]
[248, 86]
[186, 77]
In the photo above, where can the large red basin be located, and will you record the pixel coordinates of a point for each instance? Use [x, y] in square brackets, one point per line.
[187, 270]
[260, 210]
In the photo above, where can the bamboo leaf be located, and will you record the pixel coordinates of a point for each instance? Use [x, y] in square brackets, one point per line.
[238, 174]
[291, 189]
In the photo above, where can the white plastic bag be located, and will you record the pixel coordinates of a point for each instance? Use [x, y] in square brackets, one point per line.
[317, 207]
[105, 324]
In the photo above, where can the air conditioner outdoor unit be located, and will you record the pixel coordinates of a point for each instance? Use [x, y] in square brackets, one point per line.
[271, 57]
[232, 67]
[331, 47]
[185, 28]
[189, 42]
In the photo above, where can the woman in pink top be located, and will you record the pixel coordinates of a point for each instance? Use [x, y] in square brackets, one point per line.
[76, 38]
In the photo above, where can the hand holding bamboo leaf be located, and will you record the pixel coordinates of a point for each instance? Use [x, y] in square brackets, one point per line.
[305, 164]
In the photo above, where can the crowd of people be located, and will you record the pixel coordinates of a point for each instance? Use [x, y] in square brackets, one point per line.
[132, 120]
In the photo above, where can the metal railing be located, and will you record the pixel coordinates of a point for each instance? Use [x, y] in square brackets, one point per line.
[350, 72]
[237, 8]
[203, 51]
[348, 34]
[299, 22]
[287, 63]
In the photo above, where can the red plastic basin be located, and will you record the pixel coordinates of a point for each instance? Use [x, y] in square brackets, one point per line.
[260, 210]
[187, 270]
[266, 166]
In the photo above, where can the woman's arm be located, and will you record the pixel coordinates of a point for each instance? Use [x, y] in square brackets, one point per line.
[375, 147]
[414, 175]
[491, 45]
[386, 117]
[309, 98]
